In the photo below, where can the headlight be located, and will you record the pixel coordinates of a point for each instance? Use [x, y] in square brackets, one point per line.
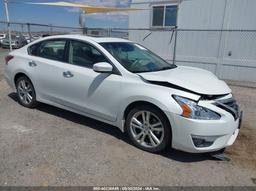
[194, 111]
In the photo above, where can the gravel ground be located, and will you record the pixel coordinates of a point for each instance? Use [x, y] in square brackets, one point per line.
[50, 146]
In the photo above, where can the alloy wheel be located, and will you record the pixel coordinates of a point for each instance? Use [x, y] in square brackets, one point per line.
[25, 92]
[147, 129]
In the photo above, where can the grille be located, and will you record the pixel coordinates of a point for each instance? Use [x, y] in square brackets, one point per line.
[229, 105]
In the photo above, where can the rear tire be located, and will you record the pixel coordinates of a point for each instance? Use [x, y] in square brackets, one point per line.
[26, 92]
[148, 129]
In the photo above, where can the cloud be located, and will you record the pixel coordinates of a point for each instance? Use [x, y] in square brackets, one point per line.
[111, 16]
[115, 17]
[105, 3]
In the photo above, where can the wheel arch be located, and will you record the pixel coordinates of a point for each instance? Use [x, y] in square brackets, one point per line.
[139, 103]
[18, 75]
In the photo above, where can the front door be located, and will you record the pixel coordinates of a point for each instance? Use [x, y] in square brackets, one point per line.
[88, 91]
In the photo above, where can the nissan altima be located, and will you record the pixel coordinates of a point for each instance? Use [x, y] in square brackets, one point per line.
[157, 104]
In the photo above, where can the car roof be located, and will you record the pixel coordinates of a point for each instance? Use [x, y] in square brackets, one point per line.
[90, 38]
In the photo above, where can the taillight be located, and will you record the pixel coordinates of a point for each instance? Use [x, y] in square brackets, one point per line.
[8, 58]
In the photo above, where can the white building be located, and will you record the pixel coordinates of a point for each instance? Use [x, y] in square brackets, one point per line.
[230, 55]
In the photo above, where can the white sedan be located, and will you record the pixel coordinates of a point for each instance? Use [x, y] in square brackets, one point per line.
[158, 104]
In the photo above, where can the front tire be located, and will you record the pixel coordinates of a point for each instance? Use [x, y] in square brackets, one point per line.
[149, 129]
[26, 92]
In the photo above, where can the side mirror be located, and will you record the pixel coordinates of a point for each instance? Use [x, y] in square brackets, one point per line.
[103, 67]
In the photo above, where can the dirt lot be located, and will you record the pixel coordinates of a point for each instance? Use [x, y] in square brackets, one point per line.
[50, 146]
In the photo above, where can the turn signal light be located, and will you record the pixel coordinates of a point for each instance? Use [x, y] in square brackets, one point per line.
[186, 110]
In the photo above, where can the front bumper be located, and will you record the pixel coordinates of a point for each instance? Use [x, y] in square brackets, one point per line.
[217, 134]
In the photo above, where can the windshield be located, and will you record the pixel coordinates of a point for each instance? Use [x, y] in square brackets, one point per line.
[135, 57]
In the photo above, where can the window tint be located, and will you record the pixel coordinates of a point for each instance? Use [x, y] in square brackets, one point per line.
[32, 50]
[52, 49]
[164, 16]
[83, 54]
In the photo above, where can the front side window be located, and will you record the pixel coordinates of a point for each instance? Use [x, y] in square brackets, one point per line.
[164, 16]
[51, 49]
[136, 58]
[83, 54]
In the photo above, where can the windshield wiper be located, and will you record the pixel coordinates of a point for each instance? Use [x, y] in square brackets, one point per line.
[167, 68]
[163, 68]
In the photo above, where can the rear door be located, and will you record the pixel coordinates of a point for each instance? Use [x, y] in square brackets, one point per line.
[47, 66]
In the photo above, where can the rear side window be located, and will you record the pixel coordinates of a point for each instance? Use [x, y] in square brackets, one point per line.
[51, 49]
[83, 54]
[32, 50]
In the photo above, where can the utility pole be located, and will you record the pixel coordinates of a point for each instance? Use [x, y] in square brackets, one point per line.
[51, 31]
[8, 23]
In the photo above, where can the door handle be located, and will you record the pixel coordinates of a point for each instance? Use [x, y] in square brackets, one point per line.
[68, 74]
[32, 64]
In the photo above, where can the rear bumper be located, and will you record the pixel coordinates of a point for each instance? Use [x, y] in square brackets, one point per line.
[9, 79]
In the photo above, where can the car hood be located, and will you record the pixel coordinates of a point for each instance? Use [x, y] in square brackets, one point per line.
[189, 78]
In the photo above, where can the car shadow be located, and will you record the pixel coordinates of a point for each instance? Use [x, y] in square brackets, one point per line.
[114, 131]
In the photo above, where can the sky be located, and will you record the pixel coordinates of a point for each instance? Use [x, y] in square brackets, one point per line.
[63, 16]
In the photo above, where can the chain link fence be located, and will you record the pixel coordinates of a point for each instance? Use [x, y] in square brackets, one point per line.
[230, 54]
